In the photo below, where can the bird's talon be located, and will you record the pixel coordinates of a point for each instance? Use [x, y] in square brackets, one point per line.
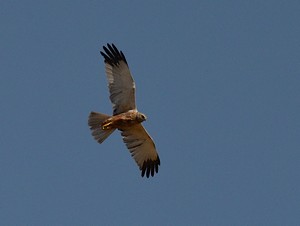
[106, 126]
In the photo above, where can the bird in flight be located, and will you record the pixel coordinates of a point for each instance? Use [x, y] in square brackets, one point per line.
[126, 117]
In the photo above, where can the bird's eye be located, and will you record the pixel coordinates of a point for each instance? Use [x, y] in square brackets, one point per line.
[143, 117]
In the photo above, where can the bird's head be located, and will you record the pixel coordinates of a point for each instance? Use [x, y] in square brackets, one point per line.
[141, 117]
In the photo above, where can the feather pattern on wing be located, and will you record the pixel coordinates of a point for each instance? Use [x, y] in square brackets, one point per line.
[142, 149]
[120, 82]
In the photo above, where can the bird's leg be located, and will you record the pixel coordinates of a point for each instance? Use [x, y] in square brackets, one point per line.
[117, 121]
[107, 124]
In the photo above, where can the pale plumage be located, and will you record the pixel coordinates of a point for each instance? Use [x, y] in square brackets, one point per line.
[125, 117]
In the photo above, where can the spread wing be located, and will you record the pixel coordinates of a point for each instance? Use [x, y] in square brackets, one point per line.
[120, 82]
[142, 149]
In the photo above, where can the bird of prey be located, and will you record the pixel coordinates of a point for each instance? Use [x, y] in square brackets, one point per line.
[126, 117]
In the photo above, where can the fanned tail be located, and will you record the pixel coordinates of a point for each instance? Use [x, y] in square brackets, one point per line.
[95, 122]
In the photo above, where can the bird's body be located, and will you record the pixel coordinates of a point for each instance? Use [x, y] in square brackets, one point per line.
[123, 121]
[126, 117]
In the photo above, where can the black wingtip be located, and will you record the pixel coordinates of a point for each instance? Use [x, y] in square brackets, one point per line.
[150, 167]
[112, 55]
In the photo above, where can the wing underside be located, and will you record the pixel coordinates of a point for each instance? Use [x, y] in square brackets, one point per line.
[142, 149]
[120, 82]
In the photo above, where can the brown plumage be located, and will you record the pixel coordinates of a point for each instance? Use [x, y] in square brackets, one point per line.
[125, 116]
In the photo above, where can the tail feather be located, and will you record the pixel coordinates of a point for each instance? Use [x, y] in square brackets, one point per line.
[95, 122]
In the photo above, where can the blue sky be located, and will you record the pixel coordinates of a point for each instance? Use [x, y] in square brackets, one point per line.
[218, 80]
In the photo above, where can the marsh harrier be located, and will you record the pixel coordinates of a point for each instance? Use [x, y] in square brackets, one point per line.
[126, 117]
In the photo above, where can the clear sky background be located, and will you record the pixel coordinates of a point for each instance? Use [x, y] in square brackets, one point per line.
[218, 80]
